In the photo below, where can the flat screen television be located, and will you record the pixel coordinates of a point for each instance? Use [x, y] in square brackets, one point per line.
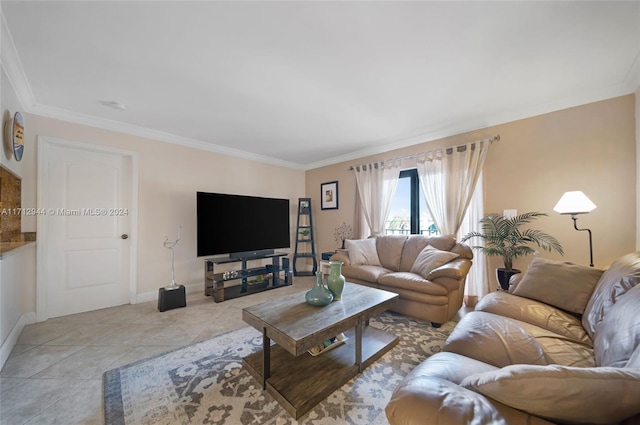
[241, 226]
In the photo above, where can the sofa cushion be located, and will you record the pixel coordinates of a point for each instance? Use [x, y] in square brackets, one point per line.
[362, 251]
[617, 341]
[619, 278]
[416, 243]
[413, 282]
[450, 366]
[502, 341]
[443, 243]
[429, 259]
[364, 272]
[599, 395]
[431, 400]
[535, 313]
[564, 285]
[412, 247]
[389, 248]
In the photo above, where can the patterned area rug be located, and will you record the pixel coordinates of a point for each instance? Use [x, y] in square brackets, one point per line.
[205, 383]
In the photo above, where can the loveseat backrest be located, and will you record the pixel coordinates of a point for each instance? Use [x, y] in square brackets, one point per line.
[389, 249]
[463, 250]
[614, 283]
[416, 243]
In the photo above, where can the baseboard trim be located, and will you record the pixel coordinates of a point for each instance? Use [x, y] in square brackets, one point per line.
[153, 295]
[10, 342]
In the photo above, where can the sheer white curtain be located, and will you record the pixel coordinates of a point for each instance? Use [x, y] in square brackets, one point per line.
[477, 284]
[448, 178]
[376, 184]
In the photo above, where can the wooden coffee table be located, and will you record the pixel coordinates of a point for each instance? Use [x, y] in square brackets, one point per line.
[298, 380]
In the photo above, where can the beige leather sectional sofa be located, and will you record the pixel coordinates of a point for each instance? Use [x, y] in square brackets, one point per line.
[428, 273]
[563, 346]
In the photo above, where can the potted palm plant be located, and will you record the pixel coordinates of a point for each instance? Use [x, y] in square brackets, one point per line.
[505, 237]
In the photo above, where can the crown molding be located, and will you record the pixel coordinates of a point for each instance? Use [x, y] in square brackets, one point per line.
[425, 135]
[632, 78]
[120, 127]
[12, 67]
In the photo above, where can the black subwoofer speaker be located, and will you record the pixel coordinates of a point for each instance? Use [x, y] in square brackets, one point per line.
[168, 299]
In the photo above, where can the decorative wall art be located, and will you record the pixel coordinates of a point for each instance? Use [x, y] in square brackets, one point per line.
[17, 136]
[329, 196]
[304, 207]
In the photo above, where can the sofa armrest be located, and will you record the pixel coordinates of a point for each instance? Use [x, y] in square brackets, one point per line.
[565, 394]
[456, 269]
[341, 256]
[435, 400]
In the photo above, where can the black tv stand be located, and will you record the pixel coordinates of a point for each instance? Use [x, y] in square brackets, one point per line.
[238, 282]
[248, 255]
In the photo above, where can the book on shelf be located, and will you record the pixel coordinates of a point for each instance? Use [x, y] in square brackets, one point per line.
[327, 345]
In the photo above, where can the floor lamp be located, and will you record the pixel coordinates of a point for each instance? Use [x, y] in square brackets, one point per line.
[575, 203]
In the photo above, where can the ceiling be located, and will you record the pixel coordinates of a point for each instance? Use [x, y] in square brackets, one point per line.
[306, 84]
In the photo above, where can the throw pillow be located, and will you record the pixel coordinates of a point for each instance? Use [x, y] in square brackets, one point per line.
[564, 285]
[362, 251]
[431, 258]
[598, 395]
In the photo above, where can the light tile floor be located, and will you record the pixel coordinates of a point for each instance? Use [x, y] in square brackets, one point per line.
[54, 373]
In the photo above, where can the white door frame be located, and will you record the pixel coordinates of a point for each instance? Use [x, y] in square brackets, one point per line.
[43, 235]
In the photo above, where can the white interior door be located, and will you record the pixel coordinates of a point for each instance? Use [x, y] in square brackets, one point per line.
[87, 219]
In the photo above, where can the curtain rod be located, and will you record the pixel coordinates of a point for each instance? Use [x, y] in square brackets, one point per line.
[496, 138]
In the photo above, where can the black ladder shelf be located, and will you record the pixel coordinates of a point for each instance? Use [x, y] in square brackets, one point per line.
[304, 238]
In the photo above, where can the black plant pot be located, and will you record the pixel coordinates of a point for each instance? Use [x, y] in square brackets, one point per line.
[504, 276]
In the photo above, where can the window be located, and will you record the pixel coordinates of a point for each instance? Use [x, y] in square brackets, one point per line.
[409, 213]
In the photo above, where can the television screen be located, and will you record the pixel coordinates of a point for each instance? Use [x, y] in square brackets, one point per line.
[228, 224]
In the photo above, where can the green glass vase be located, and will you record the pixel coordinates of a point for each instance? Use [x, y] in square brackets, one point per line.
[335, 280]
[319, 295]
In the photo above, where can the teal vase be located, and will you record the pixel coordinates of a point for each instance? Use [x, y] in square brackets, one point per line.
[335, 280]
[319, 295]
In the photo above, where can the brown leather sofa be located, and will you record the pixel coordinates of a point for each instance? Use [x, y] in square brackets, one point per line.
[428, 273]
[562, 346]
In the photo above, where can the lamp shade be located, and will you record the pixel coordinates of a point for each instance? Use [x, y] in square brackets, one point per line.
[574, 202]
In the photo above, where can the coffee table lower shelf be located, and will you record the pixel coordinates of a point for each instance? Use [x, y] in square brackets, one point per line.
[300, 383]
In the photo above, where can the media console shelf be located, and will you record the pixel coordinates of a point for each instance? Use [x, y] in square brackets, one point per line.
[238, 282]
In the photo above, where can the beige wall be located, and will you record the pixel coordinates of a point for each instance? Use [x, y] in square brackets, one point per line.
[17, 271]
[17, 295]
[590, 148]
[11, 105]
[169, 177]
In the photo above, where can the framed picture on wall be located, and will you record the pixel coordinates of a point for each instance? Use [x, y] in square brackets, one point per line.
[329, 196]
[17, 136]
[304, 207]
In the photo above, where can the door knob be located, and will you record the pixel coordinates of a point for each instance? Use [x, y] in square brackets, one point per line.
[125, 236]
